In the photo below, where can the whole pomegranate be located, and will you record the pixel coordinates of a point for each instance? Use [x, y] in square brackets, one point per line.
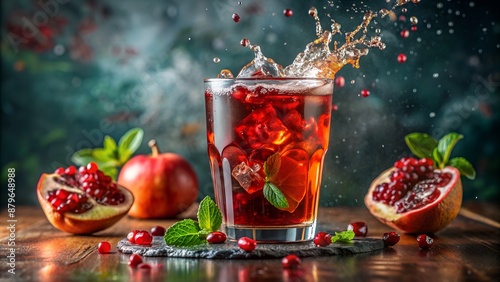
[163, 185]
[82, 201]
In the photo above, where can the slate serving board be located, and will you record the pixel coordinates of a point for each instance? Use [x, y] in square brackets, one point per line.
[230, 250]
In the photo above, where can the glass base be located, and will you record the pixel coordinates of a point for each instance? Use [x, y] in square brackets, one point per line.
[289, 234]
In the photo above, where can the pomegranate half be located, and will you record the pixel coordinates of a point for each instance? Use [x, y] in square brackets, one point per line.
[82, 202]
[431, 214]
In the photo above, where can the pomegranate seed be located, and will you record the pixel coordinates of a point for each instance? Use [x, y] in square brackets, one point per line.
[288, 12]
[134, 260]
[340, 81]
[424, 241]
[360, 228]
[322, 239]
[236, 18]
[59, 171]
[405, 33]
[104, 247]
[91, 167]
[158, 231]
[216, 237]
[143, 237]
[291, 262]
[414, 28]
[402, 58]
[365, 92]
[391, 238]
[131, 236]
[144, 266]
[71, 170]
[247, 244]
[244, 42]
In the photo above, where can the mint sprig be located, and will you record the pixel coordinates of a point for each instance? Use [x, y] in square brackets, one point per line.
[343, 236]
[424, 146]
[112, 155]
[272, 192]
[188, 232]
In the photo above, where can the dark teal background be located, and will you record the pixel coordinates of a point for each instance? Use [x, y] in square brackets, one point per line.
[75, 71]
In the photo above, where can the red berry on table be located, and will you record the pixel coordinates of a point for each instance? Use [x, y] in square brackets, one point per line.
[291, 262]
[104, 247]
[322, 239]
[216, 237]
[158, 230]
[359, 228]
[247, 244]
[424, 241]
[391, 238]
[131, 236]
[134, 260]
[143, 237]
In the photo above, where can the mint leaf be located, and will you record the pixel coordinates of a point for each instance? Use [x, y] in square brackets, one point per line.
[209, 215]
[109, 143]
[438, 159]
[343, 237]
[129, 143]
[446, 144]
[183, 233]
[464, 166]
[273, 194]
[82, 157]
[421, 144]
[272, 165]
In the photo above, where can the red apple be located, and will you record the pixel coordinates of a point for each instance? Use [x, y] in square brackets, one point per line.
[163, 185]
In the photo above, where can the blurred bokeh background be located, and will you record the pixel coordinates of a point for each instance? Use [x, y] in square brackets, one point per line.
[75, 71]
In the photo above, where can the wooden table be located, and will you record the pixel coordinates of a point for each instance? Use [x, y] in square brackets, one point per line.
[467, 250]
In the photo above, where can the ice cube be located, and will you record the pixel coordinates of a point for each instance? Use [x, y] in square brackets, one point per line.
[248, 177]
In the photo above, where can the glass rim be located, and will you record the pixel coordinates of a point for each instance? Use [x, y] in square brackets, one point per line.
[235, 79]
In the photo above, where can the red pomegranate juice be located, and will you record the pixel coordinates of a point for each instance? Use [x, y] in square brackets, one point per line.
[266, 143]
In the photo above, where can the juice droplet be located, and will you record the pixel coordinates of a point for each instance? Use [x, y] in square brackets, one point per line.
[340, 81]
[225, 74]
[415, 1]
[288, 12]
[400, 3]
[365, 92]
[413, 20]
[216, 60]
[405, 33]
[236, 18]
[244, 42]
[414, 28]
[239, 3]
[404, 10]
[402, 58]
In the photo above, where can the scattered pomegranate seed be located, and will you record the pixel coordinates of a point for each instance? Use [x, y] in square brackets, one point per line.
[216, 237]
[291, 262]
[134, 260]
[71, 170]
[365, 92]
[158, 230]
[405, 33]
[59, 171]
[104, 247]
[360, 228]
[247, 244]
[288, 12]
[131, 236]
[143, 237]
[414, 28]
[402, 58]
[236, 18]
[335, 107]
[424, 241]
[340, 81]
[144, 266]
[391, 238]
[322, 239]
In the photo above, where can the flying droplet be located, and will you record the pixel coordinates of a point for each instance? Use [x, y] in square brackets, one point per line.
[288, 12]
[414, 28]
[225, 74]
[216, 60]
[313, 12]
[402, 58]
[413, 20]
[340, 81]
[244, 42]
[432, 114]
[415, 1]
[404, 10]
[353, 81]
[405, 33]
[365, 92]
[335, 107]
[236, 18]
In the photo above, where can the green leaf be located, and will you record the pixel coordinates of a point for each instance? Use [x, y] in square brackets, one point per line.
[343, 237]
[183, 233]
[272, 165]
[438, 159]
[103, 155]
[273, 194]
[464, 166]
[421, 144]
[82, 157]
[446, 144]
[129, 143]
[109, 143]
[209, 215]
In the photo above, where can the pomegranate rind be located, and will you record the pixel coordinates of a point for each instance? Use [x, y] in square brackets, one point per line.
[96, 219]
[427, 219]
